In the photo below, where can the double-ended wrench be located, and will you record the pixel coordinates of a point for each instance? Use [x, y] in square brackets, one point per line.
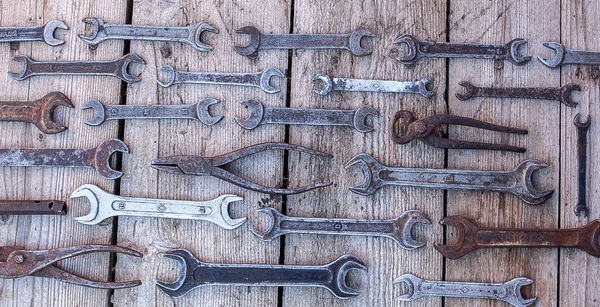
[39, 33]
[381, 86]
[38, 112]
[561, 94]
[582, 129]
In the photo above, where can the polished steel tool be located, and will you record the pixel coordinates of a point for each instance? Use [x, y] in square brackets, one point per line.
[381, 86]
[44, 33]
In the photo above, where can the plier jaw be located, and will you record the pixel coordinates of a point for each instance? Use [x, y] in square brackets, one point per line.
[182, 165]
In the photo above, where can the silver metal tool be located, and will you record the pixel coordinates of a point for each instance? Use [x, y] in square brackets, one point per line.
[104, 205]
[198, 111]
[566, 56]
[39, 33]
[382, 86]
[399, 230]
[517, 181]
[562, 94]
[582, 129]
[261, 80]
[509, 292]
[191, 35]
[260, 115]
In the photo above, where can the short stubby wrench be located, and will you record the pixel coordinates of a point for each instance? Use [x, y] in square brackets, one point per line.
[117, 68]
[399, 230]
[104, 205]
[518, 181]
[191, 35]
[509, 292]
[40, 33]
[565, 56]
[261, 80]
[418, 49]
[38, 112]
[195, 273]
[97, 158]
[32, 207]
[561, 94]
[260, 115]
[471, 237]
[260, 41]
[582, 129]
[198, 111]
[381, 86]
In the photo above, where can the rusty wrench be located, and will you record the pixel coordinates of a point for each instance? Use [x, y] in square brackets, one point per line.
[382, 86]
[32, 207]
[566, 56]
[38, 112]
[582, 129]
[562, 94]
[39, 33]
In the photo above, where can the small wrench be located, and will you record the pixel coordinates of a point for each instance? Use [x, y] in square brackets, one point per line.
[198, 111]
[259, 115]
[517, 181]
[32, 207]
[104, 205]
[381, 86]
[195, 273]
[509, 292]
[566, 56]
[260, 41]
[40, 33]
[117, 68]
[97, 158]
[418, 49]
[562, 94]
[191, 35]
[261, 79]
[38, 112]
[582, 129]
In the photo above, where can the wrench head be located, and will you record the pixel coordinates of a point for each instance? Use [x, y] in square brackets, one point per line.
[48, 104]
[513, 292]
[102, 158]
[95, 196]
[565, 94]
[558, 58]
[257, 111]
[579, 124]
[360, 118]
[99, 112]
[339, 270]
[25, 72]
[252, 47]
[96, 27]
[265, 80]
[515, 54]
[413, 51]
[225, 219]
[185, 282]
[326, 82]
[355, 42]
[403, 229]
[465, 237]
[524, 188]
[49, 32]
[370, 169]
[203, 113]
[274, 231]
[197, 31]
[412, 282]
[124, 63]
[469, 91]
[169, 71]
[424, 88]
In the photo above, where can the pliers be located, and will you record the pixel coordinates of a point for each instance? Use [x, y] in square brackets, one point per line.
[212, 166]
[427, 129]
[16, 262]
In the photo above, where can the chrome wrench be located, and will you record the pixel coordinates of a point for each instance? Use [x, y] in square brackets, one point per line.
[566, 56]
[40, 33]
[381, 86]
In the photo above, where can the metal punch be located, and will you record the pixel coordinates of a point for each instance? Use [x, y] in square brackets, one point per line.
[582, 178]
[213, 166]
[566, 56]
[381, 86]
[32, 207]
[428, 130]
[104, 205]
[561, 94]
[195, 273]
[16, 262]
[44, 33]
[38, 112]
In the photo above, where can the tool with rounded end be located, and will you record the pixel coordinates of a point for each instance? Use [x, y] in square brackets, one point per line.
[32, 207]
[195, 273]
[561, 94]
[44, 33]
[566, 56]
[38, 112]
[382, 86]
[582, 128]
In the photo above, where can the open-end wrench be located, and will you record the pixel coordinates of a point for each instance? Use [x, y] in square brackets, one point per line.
[470, 237]
[198, 111]
[195, 273]
[399, 230]
[97, 158]
[40, 33]
[509, 292]
[104, 205]
[261, 80]
[260, 41]
[517, 181]
[418, 49]
[38, 112]
[117, 68]
[32, 207]
[582, 129]
[260, 115]
[562, 94]
[191, 35]
[566, 56]
[362, 85]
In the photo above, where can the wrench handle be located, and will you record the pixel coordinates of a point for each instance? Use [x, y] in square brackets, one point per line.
[21, 34]
[304, 41]
[337, 226]
[127, 32]
[518, 92]
[315, 117]
[48, 157]
[32, 207]
[105, 68]
[162, 208]
[185, 111]
[20, 111]
[244, 79]
[452, 50]
[359, 85]
[255, 275]
[528, 238]
[581, 57]
[462, 289]
[582, 165]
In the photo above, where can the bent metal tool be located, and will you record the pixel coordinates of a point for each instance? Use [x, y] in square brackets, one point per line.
[104, 205]
[261, 80]
[509, 292]
[382, 86]
[97, 158]
[198, 111]
[214, 166]
[260, 41]
[582, 128]
[405, 128]
[566, 56]
[561, 94]
[32, 207]
[39, 33]
[38, 112]
[261, 115]
[399, 230]
[470, 237]
[16, 262]
[518, 181]
[117, 68]
[191, 35]
[195, 273]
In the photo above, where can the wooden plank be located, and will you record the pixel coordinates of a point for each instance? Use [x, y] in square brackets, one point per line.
[384, 258]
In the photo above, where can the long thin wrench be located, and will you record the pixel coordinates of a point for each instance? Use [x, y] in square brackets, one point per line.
[39, 33]
[562, 94]
[582, 129]
[566, 56]
[38, 112]
[381, 86]
[32, 207]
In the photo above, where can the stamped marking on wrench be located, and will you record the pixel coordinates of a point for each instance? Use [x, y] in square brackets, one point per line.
[582, 128]
[566, 56]
[38, 112]
[562, 94]
[32, 207]
[260, 41]
[361, 85]
[39, 33]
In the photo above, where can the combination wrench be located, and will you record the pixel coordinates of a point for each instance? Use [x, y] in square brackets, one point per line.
[198, 111]
[582, 129]
[191, 35]
[566, 56]
[382, 86]
[261, 80]
[38, 112]
[32, 207]
[39, 33]
[562, 94]
[260, 115]
[518, 181]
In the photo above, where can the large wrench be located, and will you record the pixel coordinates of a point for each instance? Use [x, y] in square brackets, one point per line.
[260, 41]
[566, 56]
[191, 35]
[38, 112]
[198, 111]
[399, 230]
[517, 181]
[104, 205]
[562, 94]
[260, 115]
[509, 292]
[40, 33]
[582, 129]
[381, 86]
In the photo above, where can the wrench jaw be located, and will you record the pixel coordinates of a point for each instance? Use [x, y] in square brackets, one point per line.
[589, 236]
[257, 111]
[412, 282]
[403, 229]
[99, 112]
[274, 230]
[50, 31]
[465, 238]
[558, 58]
[265, 80]
[92, 193]
[370, 169]
[424, 88]
[339, 269]
[355, 42]
[515, 56]
[413, 52]
[196, 34]
[50, 102]
[170, 72]
[524, 188]
[565, 94]
[326, 82]
[185, 282]
[102, 158]
[254, 43]
[123, 68]
[360, 119]
[579, 124]
[225, 219]
[469, 91]
[514, 295]
[97, 34]
[25, 72]
[203, 113]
